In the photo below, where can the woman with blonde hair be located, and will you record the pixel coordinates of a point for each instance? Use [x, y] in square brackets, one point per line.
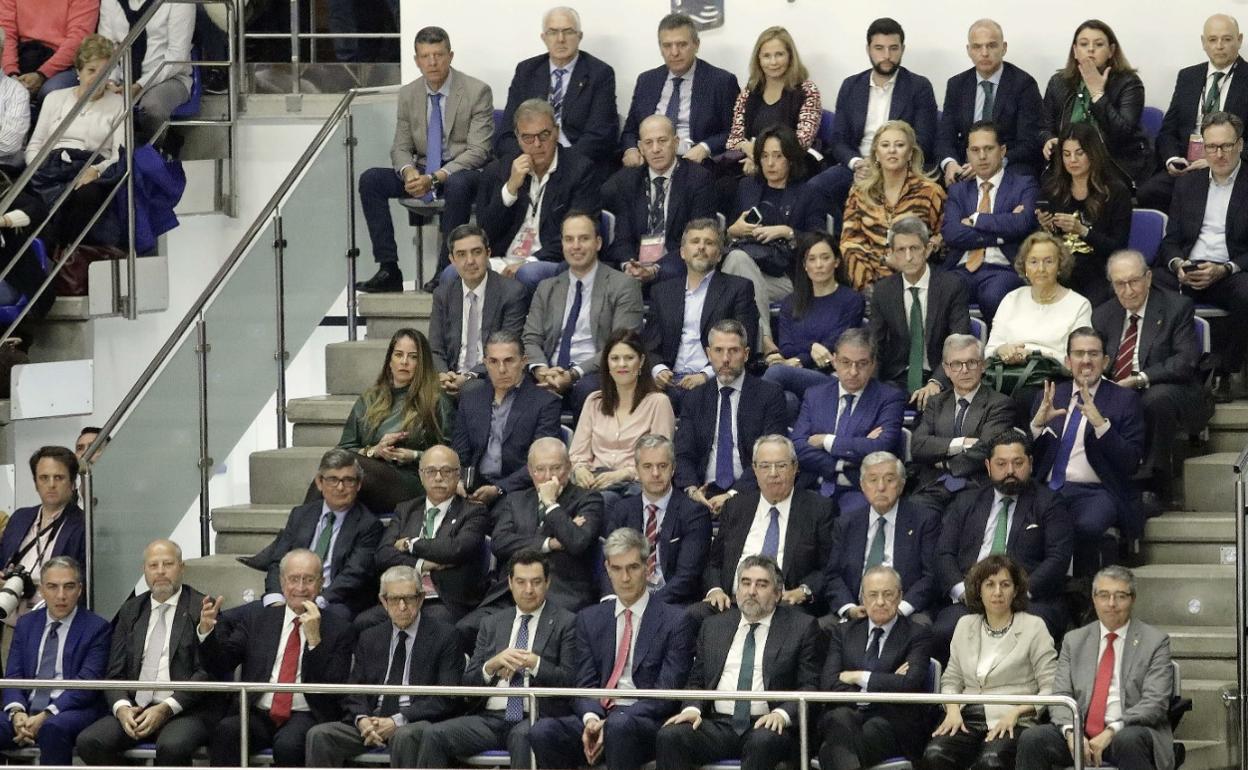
[779, 92]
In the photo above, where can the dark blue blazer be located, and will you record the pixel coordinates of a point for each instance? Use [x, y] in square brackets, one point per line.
[691, 195]
[727, 296]
[1189, 89]
[1002, 228]
[762, 411]
[710, 113]
[1115, 456]
[914, 556]
[85, 657]
[590, 120]
[534, 415]
[351, 562]
[913, 101]
[662, 655]
[802, 209]
[1016, 110]
[70, 539]
[879, 405]
[684, 543]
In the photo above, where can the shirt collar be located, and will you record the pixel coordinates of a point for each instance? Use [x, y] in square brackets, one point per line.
[1210, 69]
[888, 627]
[736, 384]
[995, 180]
[666, 174]
[888, 85]
[638, 608]
[587, 279]
[890, 515]
[534, 616]
[1122, 632]
[924, 281]
[410, 630]
[663, 502]
[341, 514]
[445, 90]
[172, 601]
[970, 397]
[65, 622]
[1230, 180]
[480, 290]
[688, 76]
[764, 621]
[855, 393]
[288, 616]
[702, 286]
[566, 68]
[994, 78]
[997, 497]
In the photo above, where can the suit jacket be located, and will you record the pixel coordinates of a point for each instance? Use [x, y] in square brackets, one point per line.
[880, 405]
[1002, 228]
[1117, 115]
[1016, 107]
[1187, 215]
[590, 118]
[1167, 337]
[1025, 664]
[684, 543]
[534, 414]
[802, 208]
[354, 582]
[85, 657]
[1146, 681]
[250, 639]
[572, 567]
[70, 538]
[989, 415]
[809, 540]
[1189, 91]
[662, 654]
[615, 303]
[554, 641]
[947, 312]
[506, 303]
[458, 545]
[710, 111]
[791, 656]
[761, 411]
[125, 660]
[1041, 538]
[727, 296]
[571, 188]
[690, 195]
[467, 126]
[913, 101]
[914, 556]
[435, 661]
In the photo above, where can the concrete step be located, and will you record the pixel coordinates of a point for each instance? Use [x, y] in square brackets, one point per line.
[1206, 755]
[1208, 719]
[247, 528]
[1232, 416]
[282, 476]
[1209, 482]
[387, 313]
[1186, 594]
[318, 420]
[224, 576]
[1196, 538]
[65, 334]
[351, 367]
[1207, 668]
[1191, 642]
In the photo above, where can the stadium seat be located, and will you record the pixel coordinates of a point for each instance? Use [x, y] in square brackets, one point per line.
[1148, 227]
[1150, 121]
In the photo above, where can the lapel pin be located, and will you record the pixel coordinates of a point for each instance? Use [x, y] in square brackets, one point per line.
[909, 532]
[1135, 642]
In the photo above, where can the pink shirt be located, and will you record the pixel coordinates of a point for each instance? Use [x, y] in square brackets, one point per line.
[58, 24]
[607, 442]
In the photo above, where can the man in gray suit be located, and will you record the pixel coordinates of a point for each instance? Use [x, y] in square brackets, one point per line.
[535, 646]
[573, 314]
[1118, 670]
[468, 309]
[445, 123]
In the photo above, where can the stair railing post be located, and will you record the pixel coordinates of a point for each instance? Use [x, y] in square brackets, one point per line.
[280, 355]
[202, 349]
[1236, 700]
[353, 251]
[88, 510]
[132, 268]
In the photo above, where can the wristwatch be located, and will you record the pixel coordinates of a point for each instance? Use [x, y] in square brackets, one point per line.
[806, 592]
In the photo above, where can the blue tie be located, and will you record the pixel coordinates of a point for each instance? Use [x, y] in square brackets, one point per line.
[771, 539]
[433, 140]
[556, 95]
[565, 342]
[515, 704]
[842, 422]
[40, 699]
[673, 104]
[723, 450]
[1058, 477]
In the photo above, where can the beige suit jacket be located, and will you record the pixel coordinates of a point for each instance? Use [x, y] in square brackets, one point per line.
[467, 128]
[1025, 665]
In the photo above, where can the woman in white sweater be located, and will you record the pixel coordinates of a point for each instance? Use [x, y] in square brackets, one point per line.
[159, 88]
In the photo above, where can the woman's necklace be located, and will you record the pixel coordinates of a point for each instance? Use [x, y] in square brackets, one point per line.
[994, 633]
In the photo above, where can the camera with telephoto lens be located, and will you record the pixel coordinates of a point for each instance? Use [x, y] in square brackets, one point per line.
[15, 585]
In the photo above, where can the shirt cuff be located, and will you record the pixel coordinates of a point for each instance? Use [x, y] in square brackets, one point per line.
[703, 145]
[588, 716]
[420, 567]
[486, 677]
[853, 162]
[1173, 159]
[399, 719]
[509, 200]
[52, 709]
[1101, 431]
[654, 371]
[692, 710]
[536, 666]
[174, 706]
[864, 680]
[271, 599]
[546, 545]
[783, 715]
[321, 601]
[974, 218]
[906, 608]
[1116, 726]
[580, 371]
[119, 704]
[18, 218]
[956, 447]
[828, 440]
[14, 706]
[843, 610]
[957, 592]
[403, 168]
[1144, 379]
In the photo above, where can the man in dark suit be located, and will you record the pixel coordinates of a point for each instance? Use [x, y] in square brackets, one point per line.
[793, 526]
[579, 87]
[880, 651]
[1089, 437]
[1205, 251]
[468, 309]
[683, 311]
[887, 91]
[677, 529]
[913, 311]
[758, 646]
[987, 216]
[849, 418]
[1016, 516]
[653, 203]
[1199, 90]
[60, 641]
[535, 646]
[154, 641]
[495, 426]
[950, 443]
[524, 197]
[992, 90]
[1150, 341]
[284, 644]
[629, 643]
[412, 649]
[715, 437]
[338, 529]
[889, 531]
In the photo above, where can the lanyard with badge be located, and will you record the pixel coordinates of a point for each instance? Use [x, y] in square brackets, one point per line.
[1196, 141]
[652, 243]
[528, 231]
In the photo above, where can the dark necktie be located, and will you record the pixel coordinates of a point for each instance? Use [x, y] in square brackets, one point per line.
[283, 702]
[723, 451]
[1001, 533]
[655, 221]
[1073, 425]
[652, 537]
[771, 538]
[745, 681]
[842, 422]
[959, 419]
[673, 104]
[327, 536]
[515, 704]
[1214, 95]
[914, 370]
[569, 328]
[397, 675]
[876, 556]
[556, 95]
[874, 648]
[1123, 362]
[40, 699]
[1095, 724]
[989, 101]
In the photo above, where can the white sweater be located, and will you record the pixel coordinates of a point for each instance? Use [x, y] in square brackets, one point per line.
[1040, 327]
[89, 131]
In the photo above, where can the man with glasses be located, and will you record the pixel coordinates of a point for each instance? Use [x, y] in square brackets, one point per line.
[1118, 670]
[339, 529]
[1205, 251]
[1150, 341]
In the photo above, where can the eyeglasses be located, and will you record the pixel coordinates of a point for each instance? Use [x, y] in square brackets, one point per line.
[1221, 149]
[408, 599]
[301, 580]
[562, 32]
[776, 466]
[340, 481]
[963, 366]
[887, 596]
[845, 363]
[436, 472]
[1117, 596]
[541, 137]
[1130, 283]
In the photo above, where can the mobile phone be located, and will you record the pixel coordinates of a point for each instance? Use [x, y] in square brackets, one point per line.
[754, 216]
[1042, 206]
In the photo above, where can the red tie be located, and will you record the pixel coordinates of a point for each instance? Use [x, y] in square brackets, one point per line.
[279, 712]
[1126, 351]
[621, 657]
[652, 537]
[1100, 690]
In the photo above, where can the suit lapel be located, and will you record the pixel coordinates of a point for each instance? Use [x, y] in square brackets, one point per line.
[977, 522]
[968, 104]
[558, 299]
[270, 634]
[713, 293]
[455, 316]
[1151, 325]
[795, 532]
[771, 650]
[452, 102]
[447, 526]
[492, 307]
[1022, 518]
[1008, 643]
[857, 555]
[138, 635]
[901, 96]
[935, 300]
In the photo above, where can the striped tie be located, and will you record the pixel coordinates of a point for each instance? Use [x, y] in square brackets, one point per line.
[1123, 363]
[652, 537]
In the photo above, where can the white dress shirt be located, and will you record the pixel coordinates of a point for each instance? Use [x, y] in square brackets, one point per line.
[879, 103]
[443, 508]
[499, 702]
[992, 254]
[735, 401]
[957, 444]
[829, 439]
[404, 700]
[732, 668]
[864, 677]
[327, 574]
[990, 530]
[583, 347]
[568, 69]
[907, 300]
[690, 355]
[1211, 244]
[875, 520]
[758, 528]
[661, 504]
[1077, 467]
[978, 112]
[62, 633]
[479, 293]
[300, 701]
[1113, 704]
[14, 117]
[625, 682]
[532, 216]
[652, 175]
[162, 667]
[684, 112]
[1126, 324]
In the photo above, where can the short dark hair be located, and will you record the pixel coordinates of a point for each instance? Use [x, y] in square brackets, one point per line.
[1085, 331]
[985, 125]
[790, 147]
[592, 216]
[986, 568]
[432, 35]
[466, 231]
[1006, 438]
[527, 556]
[857, 336]
[679, 21]
[63, 455]
[704, 223]
[1223, 118]
[90, 429]
[885, 26]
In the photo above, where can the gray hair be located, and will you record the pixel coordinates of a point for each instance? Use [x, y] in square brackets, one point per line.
[401, 573]
[775, 438]
[1223, 118]
[654, 441]
[679, 21]
[909, 225]
[623, 540]
[530, 108]
[339, 458]
[879, 569]
[548, 441]
[296, 553]
[706, 223]
[767, 563]
[730, 326]
[505, 337]
[1112, 572]
[857, 337]
[1126, 255]
[878, 458]
[956, 342]
[576, 17]
[64, 562]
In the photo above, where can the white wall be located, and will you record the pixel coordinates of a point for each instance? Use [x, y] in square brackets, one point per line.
[490, 36]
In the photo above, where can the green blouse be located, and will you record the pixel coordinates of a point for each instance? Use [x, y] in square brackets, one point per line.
[356, 435]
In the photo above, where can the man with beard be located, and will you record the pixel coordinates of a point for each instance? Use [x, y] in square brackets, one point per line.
[1016, 516]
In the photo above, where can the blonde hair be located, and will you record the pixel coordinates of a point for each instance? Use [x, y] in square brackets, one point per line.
[1065, 258]
[873, 184]
[794, 76]
[93, 47]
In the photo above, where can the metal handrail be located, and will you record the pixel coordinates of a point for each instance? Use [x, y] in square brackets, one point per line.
[1239, 698]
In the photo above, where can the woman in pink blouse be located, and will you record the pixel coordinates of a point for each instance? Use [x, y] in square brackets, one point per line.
[628, 407]
[779, 91]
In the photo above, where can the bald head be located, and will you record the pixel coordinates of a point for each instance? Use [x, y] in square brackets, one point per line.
[985, 46]
[657, 142]
[162, 568]
[1221, 40]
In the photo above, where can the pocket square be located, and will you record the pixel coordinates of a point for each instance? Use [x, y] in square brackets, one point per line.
[1032, 526]
[675, 540]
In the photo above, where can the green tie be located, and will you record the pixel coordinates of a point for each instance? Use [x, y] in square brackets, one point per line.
[1002, 532]
[541, 513]
[1214, 94]
[327, 534]
[430, 515]
[914, 373]
[745, 681]
[876, 557]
